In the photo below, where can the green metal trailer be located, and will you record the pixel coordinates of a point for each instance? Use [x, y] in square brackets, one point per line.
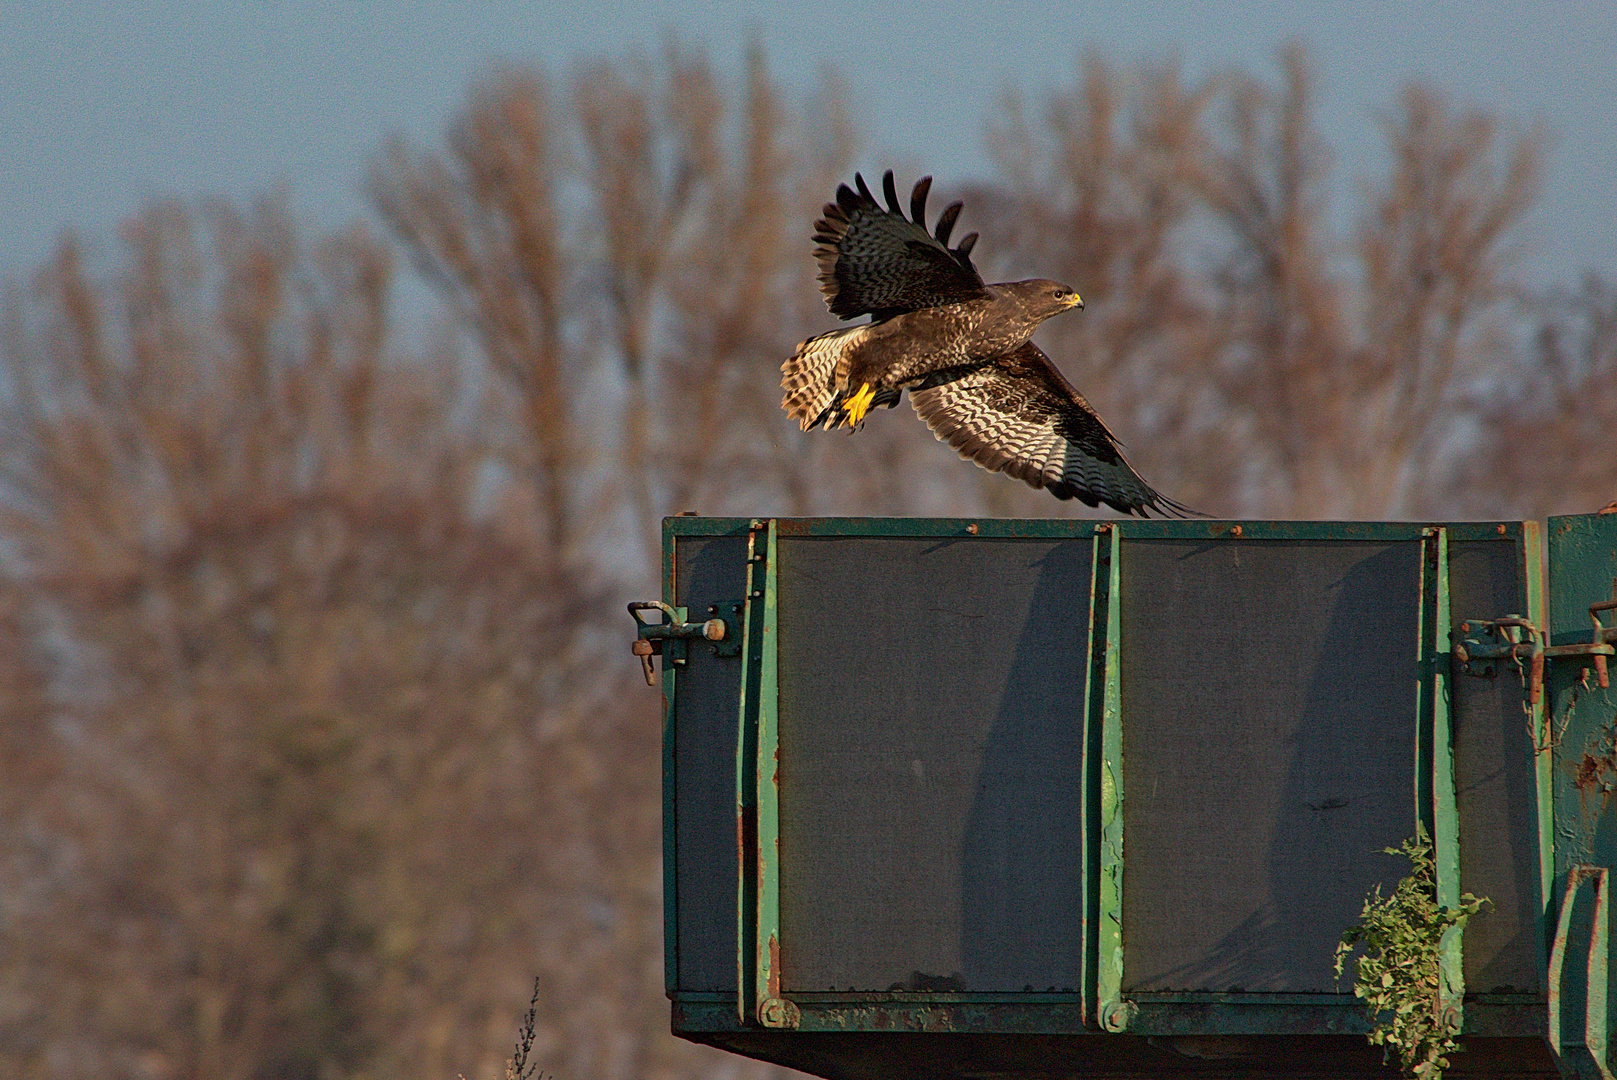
[983, 798]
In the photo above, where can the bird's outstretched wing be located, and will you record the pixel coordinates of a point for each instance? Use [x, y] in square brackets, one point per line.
[1019, 415]
[876, 261]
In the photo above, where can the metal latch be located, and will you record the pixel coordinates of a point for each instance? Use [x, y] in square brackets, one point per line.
[1514, 638]
[668, 639]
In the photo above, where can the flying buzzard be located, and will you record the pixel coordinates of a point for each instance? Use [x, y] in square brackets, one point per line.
[960, 347]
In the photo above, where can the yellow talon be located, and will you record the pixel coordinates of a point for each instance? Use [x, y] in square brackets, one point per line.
[856, 406]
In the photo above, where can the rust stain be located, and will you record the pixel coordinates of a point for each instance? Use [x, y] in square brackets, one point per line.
[763, 867]
[792, 526]
[746, 825]
[1595, 774]
[773, 988]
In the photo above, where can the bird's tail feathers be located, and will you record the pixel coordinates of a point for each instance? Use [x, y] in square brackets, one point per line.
[815, 378]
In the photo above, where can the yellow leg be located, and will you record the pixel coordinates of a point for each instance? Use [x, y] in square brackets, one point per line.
[856, 406]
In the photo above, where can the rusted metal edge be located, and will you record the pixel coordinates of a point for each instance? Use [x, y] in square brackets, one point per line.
[1077, 528]
[1595, 1030]
[1344, 1015]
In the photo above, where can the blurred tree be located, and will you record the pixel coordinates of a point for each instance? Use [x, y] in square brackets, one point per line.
[643, 217]
[1438, 278]
[326, 771]
[1539, 444]
[317, 744]
[1241, 355]
[1098, 194]
[314, 621]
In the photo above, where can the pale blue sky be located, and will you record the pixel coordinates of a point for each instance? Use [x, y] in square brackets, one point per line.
[106, 104]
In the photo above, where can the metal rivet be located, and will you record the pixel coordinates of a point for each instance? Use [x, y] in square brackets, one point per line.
[779, 1013]
[1115, 1017]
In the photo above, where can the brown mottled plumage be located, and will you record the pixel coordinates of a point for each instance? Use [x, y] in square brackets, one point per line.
[959, 345]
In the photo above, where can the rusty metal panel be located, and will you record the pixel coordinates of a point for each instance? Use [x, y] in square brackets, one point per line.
[1495, 783]
[941, 784]
[707, 570]
[1583, 729]
[932, 696]
[1269, 712]
[1583, 578]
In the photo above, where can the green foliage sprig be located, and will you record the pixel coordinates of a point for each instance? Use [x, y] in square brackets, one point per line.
[1400, 973]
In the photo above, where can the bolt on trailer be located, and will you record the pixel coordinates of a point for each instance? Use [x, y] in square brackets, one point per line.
[1050, 798]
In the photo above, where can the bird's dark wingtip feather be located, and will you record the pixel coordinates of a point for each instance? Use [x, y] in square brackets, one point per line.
[918, 201]
[1167, 508]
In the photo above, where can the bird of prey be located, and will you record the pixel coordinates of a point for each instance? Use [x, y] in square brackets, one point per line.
[960, 347]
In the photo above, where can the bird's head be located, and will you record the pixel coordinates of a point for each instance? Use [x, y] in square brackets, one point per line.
[1042, 298]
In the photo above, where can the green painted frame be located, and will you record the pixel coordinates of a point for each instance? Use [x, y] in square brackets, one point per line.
[1435, 739]
[1111, 1011]
[758, 791]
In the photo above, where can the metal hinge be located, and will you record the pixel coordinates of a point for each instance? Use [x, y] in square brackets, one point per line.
[668, 639]
[1514, 638]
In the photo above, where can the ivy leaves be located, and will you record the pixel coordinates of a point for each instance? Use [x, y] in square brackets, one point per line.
[1400, 972]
